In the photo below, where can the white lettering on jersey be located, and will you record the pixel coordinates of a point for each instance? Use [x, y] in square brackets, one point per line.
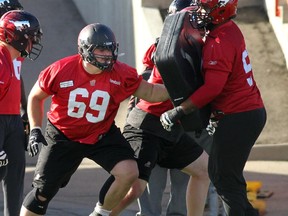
[115, 82]
[17, 68]
[247, 67]
[77, 109]
[66, 84]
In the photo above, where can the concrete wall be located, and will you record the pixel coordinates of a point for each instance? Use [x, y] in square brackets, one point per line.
[118, 16]
[135, 26]
[280, 26]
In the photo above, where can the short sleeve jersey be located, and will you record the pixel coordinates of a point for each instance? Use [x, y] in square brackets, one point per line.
[159, 107]
[229, 82]
[83, 106]
[10, 83]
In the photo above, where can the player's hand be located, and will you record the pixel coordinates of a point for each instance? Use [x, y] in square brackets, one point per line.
[36, 138]
[3, 158]
[170, 117]
[211, 127]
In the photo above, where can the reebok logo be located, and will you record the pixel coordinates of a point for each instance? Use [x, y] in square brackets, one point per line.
[115, 82]
[212, 63]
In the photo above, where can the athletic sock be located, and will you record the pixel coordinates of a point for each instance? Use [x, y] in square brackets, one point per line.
[99, 211]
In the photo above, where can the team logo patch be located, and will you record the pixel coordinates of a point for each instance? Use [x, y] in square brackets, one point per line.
[66, 84]
[92, 82]
[20, 25]
[222, 3]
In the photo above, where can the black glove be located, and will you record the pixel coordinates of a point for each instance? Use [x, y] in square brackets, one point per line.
[211, 127]
[3, 158]
[35, 139]
[26, 130]
[170, 117]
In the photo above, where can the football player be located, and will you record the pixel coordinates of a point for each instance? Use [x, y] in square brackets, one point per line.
[86, 89]
[173, 150]
[20, 33]
[235, 99]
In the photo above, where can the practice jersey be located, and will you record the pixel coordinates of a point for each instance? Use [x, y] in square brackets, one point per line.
[83, 106]
[229, 82]
[10, 83]
[159, 107]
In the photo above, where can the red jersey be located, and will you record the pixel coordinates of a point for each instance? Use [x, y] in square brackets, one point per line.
[159, 107]
[83, 105]
[229, 82]
[10, 83]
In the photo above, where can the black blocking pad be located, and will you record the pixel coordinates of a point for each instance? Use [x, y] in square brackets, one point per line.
[178, 59]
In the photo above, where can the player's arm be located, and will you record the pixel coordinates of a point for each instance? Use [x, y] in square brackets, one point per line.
[214, 83]
[35, 106]
[35, 110]
[151, 92]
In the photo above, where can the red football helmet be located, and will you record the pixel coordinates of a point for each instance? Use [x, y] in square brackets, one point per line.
[215, 11]
[22, 31]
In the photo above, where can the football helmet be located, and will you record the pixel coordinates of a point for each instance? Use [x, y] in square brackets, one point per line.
[22, 31]
[214, 11]
[97, 36]
[7, 5]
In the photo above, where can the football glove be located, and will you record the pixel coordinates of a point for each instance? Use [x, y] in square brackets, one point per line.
[211, 127]
[3, 158]
[170, 117]
[35, 139]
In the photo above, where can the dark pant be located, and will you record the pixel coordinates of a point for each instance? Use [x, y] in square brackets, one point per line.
[233, 140]
[12, 175]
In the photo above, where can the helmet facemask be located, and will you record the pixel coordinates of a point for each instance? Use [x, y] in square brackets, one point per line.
[108, 61]
[34, 46]
[200, 18]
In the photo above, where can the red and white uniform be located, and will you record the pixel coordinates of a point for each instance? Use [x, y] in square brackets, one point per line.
[84, 106]
[153, 108]
[229, 83]
[10, 83]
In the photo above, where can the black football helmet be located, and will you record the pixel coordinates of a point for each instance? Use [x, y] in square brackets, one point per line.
[178, 5]
[7, 5]
[95, 36]
[22, 31]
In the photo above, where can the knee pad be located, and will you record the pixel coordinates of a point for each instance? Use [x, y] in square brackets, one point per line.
[32, 203]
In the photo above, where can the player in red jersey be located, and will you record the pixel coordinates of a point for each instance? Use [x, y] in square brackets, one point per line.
[174, 150]
[16, 42]
[232, 91]
[86, 90]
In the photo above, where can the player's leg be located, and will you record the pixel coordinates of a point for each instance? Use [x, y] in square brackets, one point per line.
[179, 182]
[13, 182]
[233, 140]
[145, 151]
[3, 123]
[116, 156]
[188, 156]
[198, 185]
[150, 202]
[55, 165]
